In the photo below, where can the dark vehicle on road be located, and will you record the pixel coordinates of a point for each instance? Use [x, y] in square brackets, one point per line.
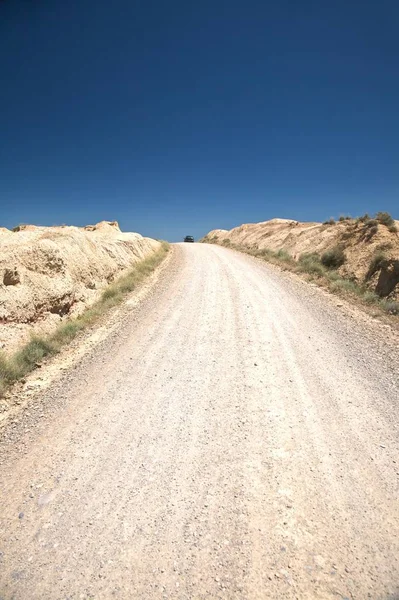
[189, 238]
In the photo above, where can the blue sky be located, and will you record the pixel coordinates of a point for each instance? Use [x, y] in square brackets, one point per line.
[180, 117]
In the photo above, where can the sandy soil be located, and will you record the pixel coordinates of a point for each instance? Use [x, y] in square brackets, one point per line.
[236, 437]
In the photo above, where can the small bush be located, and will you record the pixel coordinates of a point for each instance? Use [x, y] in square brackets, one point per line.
[364, 218]
[347, 235]
[334, 258]
[330, 222]
[310, 263]
[66, 332]
[30, 355]
[18, 227]
[371, 297]
[371, 223]
[385, 219]
[283, 255]
[265, 252]
[390, 306]
[344, 218]
[126, 285]
[376, 263]
[371, 231]
[392, 228]
[9, 371]
[332, 275]
[110, 292]
[385, 246]
[346, 285]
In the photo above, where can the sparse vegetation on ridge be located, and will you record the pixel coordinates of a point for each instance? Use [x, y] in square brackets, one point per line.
[385, 219]
[26, 359]
[381, 218]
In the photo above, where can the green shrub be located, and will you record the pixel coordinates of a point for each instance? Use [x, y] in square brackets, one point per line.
[385, 219]
[9, 371]
[265, 253]
[283, 255]
[376, 263]
[332, 275]
[329, 222]
[346, 285]
[371, 297]
[110, 292]
[390, 306]
[126, 285]
[311, 263]
[371, 231]
[385, 246]
[30, 355]
[334, 258]
[66, 332]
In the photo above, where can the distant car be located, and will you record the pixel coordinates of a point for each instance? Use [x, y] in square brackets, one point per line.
[189, 238]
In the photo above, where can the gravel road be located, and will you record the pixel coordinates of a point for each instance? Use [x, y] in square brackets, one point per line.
[236, 437]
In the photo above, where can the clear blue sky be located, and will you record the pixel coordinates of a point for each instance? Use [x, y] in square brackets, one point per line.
[179, 117]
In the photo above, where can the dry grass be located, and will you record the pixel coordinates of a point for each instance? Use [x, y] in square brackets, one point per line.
[22, 362]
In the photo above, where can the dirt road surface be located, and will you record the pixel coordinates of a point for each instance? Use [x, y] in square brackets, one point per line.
[237, 437]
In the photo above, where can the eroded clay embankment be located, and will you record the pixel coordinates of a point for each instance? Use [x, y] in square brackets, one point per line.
[371, 249]
[47, 273]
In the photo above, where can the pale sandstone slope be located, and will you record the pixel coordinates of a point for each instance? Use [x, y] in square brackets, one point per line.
[360, 245]
[49, 272]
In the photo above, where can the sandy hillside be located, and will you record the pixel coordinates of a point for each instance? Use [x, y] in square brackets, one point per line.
[47, 273]
[361, 241]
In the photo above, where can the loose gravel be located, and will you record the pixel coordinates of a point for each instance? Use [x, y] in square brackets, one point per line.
[236, 436]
